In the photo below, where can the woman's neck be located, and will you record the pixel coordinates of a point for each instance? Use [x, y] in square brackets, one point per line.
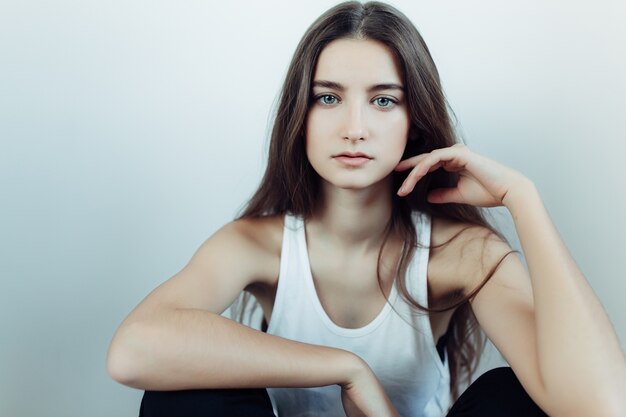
[352, 219]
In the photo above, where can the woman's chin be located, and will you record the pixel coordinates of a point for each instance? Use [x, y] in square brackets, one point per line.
[357, 186]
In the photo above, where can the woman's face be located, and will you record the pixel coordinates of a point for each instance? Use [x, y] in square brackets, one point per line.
[358, 122]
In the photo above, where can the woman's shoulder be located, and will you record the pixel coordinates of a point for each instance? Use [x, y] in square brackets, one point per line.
[261, 233]
[256, 241]
[461, 254]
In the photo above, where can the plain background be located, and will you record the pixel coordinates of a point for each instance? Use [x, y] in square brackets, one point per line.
[130, 131]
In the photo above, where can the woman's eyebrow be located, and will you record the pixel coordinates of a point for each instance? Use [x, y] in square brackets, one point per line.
[337, 86]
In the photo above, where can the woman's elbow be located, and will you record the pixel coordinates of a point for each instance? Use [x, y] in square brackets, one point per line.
[122, 360]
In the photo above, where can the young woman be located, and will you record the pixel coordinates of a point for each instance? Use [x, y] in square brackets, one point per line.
[367, 250]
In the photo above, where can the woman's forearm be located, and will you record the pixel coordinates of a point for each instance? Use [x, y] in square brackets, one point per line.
[177, 349]
[580, 357]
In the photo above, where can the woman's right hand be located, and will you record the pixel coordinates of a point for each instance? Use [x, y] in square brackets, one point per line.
[364, 396]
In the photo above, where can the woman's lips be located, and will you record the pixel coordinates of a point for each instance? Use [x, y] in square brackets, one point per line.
[353, 161]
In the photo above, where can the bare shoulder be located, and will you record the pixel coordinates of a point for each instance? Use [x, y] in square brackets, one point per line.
[463, 254]
[258, 240]
[241, 254]
[265, 233]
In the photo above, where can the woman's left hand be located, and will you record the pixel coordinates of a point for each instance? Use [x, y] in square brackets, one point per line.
[482, 181]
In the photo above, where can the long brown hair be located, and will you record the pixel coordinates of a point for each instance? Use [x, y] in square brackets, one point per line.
[291, 185]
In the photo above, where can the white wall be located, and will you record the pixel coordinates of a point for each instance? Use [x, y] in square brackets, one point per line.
[130, 131]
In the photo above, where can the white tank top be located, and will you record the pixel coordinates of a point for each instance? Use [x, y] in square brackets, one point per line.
[398, 345]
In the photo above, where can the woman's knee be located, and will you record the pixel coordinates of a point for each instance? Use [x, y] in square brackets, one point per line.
[496, 392]
[204, 402]
[497, 376]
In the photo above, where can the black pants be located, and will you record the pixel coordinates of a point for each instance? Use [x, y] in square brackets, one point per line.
[496, 393]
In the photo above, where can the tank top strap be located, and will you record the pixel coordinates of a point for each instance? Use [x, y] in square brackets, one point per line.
[291, 285]
[419, 264]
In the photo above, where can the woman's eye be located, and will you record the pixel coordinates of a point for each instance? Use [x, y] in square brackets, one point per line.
[327, 99]
[385, 102]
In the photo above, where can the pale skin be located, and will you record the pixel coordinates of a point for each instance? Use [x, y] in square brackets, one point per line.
[546, 321]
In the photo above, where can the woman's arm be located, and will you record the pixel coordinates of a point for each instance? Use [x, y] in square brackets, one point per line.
[579, 354]
[180, 348]
[581, 369]
[175, 338]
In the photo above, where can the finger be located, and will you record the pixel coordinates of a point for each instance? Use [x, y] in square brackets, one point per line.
[425, 166]
[452, 157]
[409, 182]
[449, 154]
[410, 162]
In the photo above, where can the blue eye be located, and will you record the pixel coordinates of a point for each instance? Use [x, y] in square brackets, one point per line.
[326, 99]
[385, 102]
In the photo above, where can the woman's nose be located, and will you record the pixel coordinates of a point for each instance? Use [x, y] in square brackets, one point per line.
[355, 128]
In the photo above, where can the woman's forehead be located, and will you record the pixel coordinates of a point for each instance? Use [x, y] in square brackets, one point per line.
[353, 62]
